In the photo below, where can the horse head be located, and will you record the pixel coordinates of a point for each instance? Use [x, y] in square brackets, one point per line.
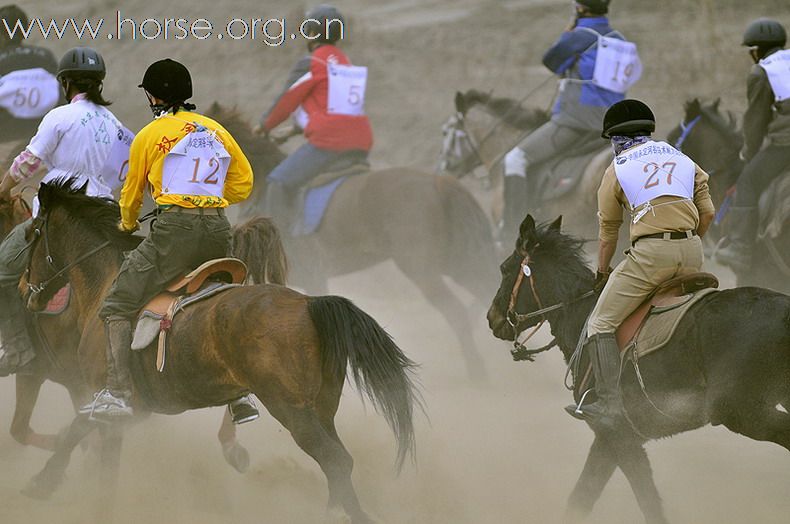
[12, 212]
[545, 268]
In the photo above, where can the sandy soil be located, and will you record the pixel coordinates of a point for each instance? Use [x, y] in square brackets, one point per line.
[500, 453]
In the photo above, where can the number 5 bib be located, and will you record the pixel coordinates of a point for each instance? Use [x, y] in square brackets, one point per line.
[29, 93]
[652, 170]
[197, 165]
[346, 89]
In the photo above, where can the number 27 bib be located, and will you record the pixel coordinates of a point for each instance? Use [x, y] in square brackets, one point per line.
[197, 165]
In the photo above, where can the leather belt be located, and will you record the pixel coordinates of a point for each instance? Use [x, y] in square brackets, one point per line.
[669, 235]
[218, 211]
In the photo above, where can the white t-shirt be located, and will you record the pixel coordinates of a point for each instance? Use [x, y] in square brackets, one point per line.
[75, 141]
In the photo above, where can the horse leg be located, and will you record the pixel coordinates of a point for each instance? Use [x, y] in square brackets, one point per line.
[27, 390]
[336, 463]
[767, 424]
[597, 471]
[44, 483]
[632, 460]
[235, 454]
[111, 442]
[441, 297]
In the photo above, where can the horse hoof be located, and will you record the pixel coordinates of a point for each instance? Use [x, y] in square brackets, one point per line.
[39, 489]
[237, 456]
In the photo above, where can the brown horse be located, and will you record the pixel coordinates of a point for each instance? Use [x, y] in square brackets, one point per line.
[430, 226]
[56, 337]
[289, 349]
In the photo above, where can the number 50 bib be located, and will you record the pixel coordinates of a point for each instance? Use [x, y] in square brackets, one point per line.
[29, 93]
[197, 165]
[346, 89]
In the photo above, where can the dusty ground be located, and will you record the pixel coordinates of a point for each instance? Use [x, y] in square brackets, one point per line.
[500, 453]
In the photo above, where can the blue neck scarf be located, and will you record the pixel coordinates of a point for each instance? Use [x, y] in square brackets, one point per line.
[621, 143]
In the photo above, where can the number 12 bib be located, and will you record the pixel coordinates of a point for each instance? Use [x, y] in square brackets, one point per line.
[346, 89]
[652, 170]
[197, 165]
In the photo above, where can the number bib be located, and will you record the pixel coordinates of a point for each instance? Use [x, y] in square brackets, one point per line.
[29, 93]
[652, 170]
[113, 174]
[617, 65]
[346, 89]
[777, 66]
[197, 165]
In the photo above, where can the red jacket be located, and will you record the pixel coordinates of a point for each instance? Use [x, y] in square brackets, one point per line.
[310, 90]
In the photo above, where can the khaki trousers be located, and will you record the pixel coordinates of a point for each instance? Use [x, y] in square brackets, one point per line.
[650, 262]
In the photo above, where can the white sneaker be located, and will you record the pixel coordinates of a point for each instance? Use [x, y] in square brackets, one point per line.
[106, 405]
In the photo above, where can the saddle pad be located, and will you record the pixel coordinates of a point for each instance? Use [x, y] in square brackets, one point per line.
[560, 175]
[59, 302]
[775, 207]
[661, 325]
[316, 202]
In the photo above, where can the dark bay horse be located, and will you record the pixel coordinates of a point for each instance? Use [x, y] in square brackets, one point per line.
[712, 139]
[289, 349]
[429, 226]
[728, 362]
[56, 337]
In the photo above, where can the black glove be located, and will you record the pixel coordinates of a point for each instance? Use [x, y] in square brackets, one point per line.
[601, 277]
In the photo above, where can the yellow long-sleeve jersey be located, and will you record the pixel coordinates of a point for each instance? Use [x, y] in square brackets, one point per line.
[147, 156]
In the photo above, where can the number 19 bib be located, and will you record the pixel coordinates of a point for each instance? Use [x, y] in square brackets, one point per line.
[197, 165]
[29, 93]
[346, 89]
[777, 66]
[652, 170]
[617, 65]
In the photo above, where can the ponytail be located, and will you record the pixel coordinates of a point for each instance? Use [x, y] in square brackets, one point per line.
[93, 90]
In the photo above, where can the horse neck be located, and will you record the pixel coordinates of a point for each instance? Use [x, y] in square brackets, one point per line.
[492, 136]
[567, 325]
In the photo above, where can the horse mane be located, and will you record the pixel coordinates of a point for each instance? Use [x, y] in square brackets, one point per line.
[97, 214]
[507, 109]
[260, 151]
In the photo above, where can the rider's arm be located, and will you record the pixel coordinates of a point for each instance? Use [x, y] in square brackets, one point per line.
[610, 210]
[566, 50]
[238, 181]
[703, 201]
[25, 165]
[758, 113]
[298, 72]
[132, 192]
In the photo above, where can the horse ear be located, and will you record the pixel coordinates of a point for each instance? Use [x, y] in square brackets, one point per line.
[556, 225]
[716, 103]
[460, 103]
[693, 107]
[526, 232]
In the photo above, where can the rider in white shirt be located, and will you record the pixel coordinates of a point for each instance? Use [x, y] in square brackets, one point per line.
[81, 140]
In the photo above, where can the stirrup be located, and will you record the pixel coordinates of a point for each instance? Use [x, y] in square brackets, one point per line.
[115, 409]
[575, 410]
[243, 410]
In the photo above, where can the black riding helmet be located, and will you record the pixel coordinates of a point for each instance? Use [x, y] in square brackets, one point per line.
[765, 33]
[628, 118]
[12, 14]
[595, 6]
[82, 63]
[318, 18]
[168, 80]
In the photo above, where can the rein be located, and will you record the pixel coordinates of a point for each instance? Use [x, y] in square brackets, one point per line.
[685, 131]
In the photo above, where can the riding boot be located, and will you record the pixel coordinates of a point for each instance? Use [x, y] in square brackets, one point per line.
[515, 199]
[607, 411]
[277, 203]
[113, 401]
[743, 232]
[18, 350]
[243, 410]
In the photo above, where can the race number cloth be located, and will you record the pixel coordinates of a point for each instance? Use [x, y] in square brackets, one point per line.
[29, 93]
[777, 66]
[617, 65]
[652, 170]
[346, 89]
[113, 174]
[197, 165]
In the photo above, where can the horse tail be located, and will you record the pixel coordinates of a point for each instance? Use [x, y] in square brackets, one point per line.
[257, 242]
[471, 254]
[349, 337]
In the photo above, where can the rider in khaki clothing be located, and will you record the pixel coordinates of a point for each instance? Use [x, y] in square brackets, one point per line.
[667, 196]
[194, 169]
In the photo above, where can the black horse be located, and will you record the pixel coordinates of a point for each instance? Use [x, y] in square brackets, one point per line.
[712, 139]
[728, 362]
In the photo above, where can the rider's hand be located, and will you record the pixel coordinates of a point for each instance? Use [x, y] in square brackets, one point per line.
[260, 130]
[123, 229]
[601, 277]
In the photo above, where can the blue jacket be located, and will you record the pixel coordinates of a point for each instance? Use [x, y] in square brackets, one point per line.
[580, 104]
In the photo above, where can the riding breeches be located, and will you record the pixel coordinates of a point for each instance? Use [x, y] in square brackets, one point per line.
[758, 174]
[305, 164]
[649, 263]
[178, 243]
[549, 140]
[13, 261]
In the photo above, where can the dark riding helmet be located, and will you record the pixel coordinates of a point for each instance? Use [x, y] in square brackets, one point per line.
[168, 80]
[600, 7]
[82, 63]
[628, 118]
[326, 21]
[765, 33]
[12, 13]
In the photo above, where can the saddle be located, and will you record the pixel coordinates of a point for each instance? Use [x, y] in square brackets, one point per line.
[669, 295]
[557, 176]
[209, 279]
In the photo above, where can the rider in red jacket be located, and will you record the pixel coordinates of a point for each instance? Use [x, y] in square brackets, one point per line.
[327, 94]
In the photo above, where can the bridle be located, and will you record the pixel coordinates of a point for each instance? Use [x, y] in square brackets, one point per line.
[515, 319]
[457, 136]
[42, 232]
